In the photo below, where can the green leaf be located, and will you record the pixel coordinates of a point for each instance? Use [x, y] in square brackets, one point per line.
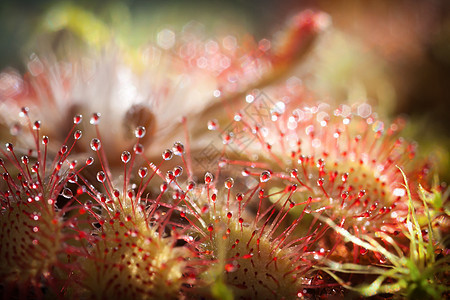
[221, 291]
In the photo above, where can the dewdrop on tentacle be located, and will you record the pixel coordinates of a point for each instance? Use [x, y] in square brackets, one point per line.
[346, 163]
[95, 119]
[142, 172]
[254, 258]
[132, 257]
[96, 144]
[178, 148]
[134, 252]
[209, 178]
[265, 176]
[167, 154]
[229, 183]
[101, 176]
[140, 132]
[212, 125]
[125, 157]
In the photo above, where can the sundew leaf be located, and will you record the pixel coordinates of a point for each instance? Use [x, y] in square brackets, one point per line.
[350, 237]
[376, 286]
[414, 276]
[416, 247]
[353, 268]
[391, 241]
[430, 248]
[433, 198]
[369, 243]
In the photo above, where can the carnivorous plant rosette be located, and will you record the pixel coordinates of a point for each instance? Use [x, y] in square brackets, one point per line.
[343, 161]
[36, 231]
[263, 191]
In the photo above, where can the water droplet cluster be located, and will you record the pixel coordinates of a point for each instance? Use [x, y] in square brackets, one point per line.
[35, 196]
[133, 222]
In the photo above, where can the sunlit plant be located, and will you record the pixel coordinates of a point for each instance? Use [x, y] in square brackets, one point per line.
[35, 224]
[343, 159]
[299, 200]
[131, 250]
[255, 254]
[418, 272]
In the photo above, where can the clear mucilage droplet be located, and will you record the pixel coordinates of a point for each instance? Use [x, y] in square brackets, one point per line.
[209, 178]
[139, 132]
[101, 177]
[72, 177]
[89, 161]
[77, 135]
[37, 125]
[177, 171]
[142, 172]
[212, 124]
[167, 154]
[229, 183]
[77, 119]
[125, 157]
[95, 119]
[138, 149]
[178, 148]
[96, 144]
[67, 193]
[170, 176]
[265, 176]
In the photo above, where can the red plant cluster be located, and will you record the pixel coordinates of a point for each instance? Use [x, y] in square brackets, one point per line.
[131, 224]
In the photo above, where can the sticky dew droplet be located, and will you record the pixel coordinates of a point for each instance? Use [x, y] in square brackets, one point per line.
[125, 157]
[212, 124]
[67, 193]
[89, 161]
[143, 172]
[229, 182]
[209, 178]
[178, 148]
[139, 132]
[177, 171]
[77, 135]
[101, 177]
[138, 149]
[96, 144]
[95, 119]
[265, 176]
[167, 154]
[77, 119]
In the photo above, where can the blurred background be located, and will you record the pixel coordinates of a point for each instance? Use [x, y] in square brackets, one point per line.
[396, 54]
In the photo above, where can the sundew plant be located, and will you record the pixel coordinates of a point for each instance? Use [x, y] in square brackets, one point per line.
[209, 163]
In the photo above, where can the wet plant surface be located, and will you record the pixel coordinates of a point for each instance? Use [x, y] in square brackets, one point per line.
[202, 166]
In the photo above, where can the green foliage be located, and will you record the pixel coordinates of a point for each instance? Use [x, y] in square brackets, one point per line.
[414, 275]
[220, 291]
